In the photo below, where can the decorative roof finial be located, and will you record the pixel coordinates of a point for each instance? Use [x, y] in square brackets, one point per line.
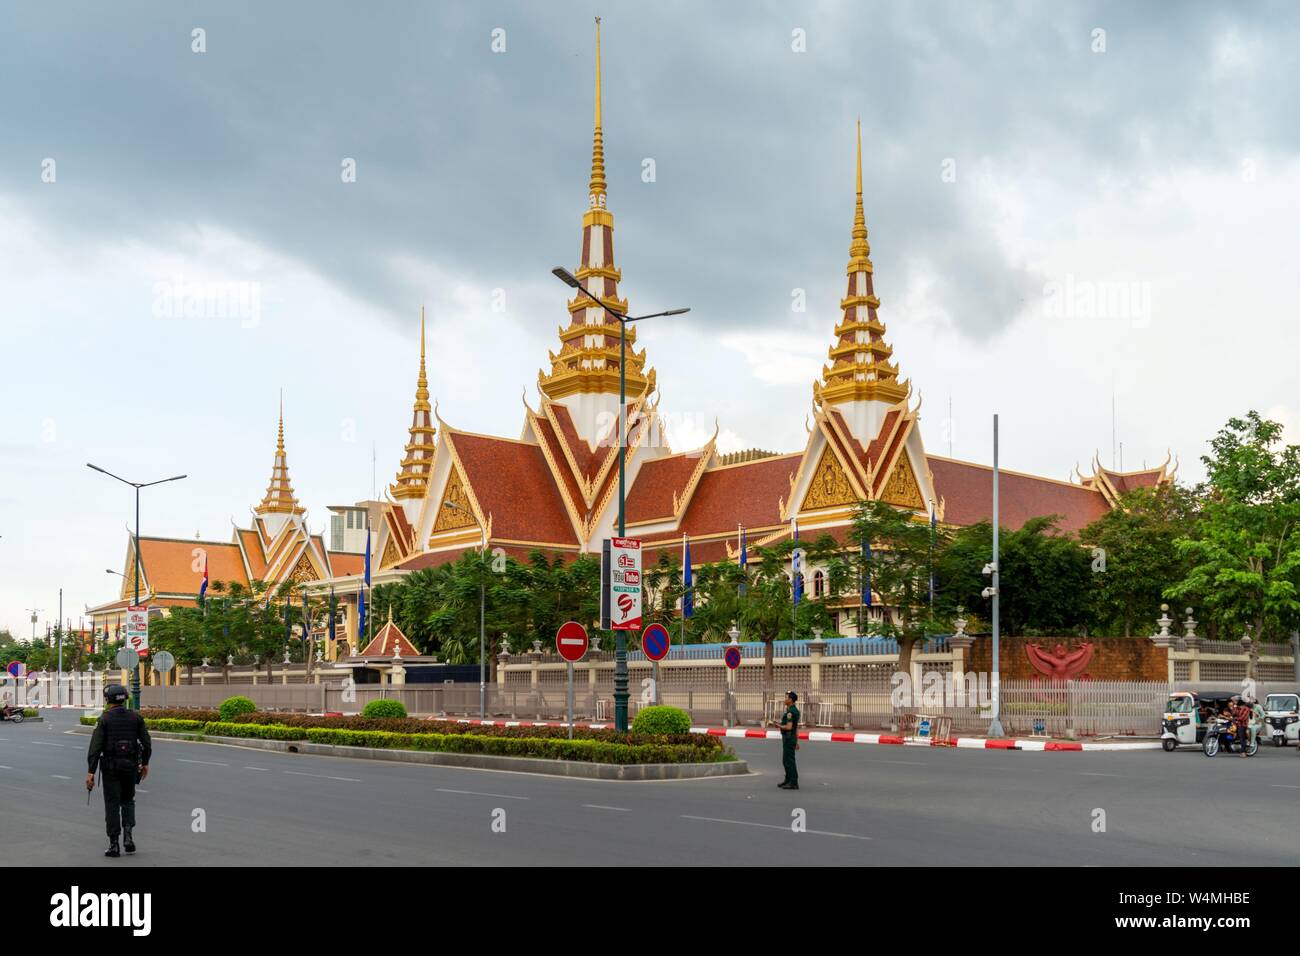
[279, 497]
[597, 188]
[413, 476]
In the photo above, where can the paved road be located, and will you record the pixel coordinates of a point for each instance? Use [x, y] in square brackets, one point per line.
[863, 805]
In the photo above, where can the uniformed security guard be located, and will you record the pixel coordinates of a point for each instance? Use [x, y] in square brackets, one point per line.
[120, 747]
[790, 742]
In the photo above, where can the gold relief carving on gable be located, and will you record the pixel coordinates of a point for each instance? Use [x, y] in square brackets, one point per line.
[391, 554]
[901, 489]
[303, 570]
[830, 485]
[461, 516]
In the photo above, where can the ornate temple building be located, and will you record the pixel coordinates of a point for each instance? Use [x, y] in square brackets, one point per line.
[277, 548]
[555, 486]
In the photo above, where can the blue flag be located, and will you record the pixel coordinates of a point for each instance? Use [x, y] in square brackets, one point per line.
[203, 588]
[866, 574]
[933, 525]
[796, 571]
[333, 613]
[361, 617]
[744, 563]
[688, 593]
[367, 555]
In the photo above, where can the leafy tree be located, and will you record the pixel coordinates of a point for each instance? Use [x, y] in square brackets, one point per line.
[1245, 551]
[1138, 559]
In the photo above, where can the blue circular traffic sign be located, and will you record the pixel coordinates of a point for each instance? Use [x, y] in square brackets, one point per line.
[655, 642]
[15, 668]
[732, 656]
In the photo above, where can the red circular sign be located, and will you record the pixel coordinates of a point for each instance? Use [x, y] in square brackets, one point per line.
[571, 641]
[732, 656]
[655, 642]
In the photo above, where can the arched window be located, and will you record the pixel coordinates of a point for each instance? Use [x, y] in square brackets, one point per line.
[819, 584]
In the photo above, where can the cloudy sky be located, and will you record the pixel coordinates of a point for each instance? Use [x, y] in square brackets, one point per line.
[1068, 204]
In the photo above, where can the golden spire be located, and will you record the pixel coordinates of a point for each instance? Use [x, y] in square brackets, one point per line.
[279, 497]
[589, 345]
[597, 187]
[860, 368]
[413, 475]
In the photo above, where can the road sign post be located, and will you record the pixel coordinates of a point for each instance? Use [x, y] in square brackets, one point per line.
[163, 662]
[571, 642]
[731, 657]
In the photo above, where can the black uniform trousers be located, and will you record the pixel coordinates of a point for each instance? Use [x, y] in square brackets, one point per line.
[788, 740]
[119, 800]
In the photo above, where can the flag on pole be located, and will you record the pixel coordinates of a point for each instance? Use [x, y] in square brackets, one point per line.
[933, 527]
[744, 563]
[866, 574]
[688, 593]
[333, 614]
[795, 569]
[203, 587]
[361, 615]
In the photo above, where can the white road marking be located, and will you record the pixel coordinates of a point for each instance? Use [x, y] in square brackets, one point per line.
[908, 763]
[263, 769]
[210, 763]
[1284, 786]
[475, 793]
[322, 776]
[3, 767]
[1088, 774]
[59, 776]
[43, 743]
[772, 826]
[597, 806]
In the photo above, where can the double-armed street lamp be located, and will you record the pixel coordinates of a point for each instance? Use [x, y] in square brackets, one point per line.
[620, 637]
[137, 485]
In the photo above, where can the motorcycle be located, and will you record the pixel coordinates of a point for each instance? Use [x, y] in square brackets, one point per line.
[1219, 734]
[15, 715]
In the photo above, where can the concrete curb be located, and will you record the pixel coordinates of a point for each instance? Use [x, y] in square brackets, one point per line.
[535, 765]
[1032, 745]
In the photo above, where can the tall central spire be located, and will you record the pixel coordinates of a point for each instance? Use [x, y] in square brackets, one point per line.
[589, 349]
[860, 369]
[279, 497]
[413, 476]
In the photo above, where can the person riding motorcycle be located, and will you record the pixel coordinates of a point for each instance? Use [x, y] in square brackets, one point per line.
[1242, 718]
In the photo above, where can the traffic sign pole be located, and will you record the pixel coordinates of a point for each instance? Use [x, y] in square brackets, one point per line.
[571, 642]
[570, 700]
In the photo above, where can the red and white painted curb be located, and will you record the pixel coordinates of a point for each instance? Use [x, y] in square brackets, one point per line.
[1032, 745]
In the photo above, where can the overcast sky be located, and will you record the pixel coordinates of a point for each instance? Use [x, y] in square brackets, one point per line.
[1067, 203]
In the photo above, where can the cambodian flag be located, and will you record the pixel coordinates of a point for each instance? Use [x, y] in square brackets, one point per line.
[203, 588]
[688, 592]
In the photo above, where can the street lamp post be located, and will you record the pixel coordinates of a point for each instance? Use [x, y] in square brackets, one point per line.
[482, 612]
[137, 485]
[620, 637]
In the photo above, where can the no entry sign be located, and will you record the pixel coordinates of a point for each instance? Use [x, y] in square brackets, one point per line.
[655, 642]
[732, 656]
[571, 641]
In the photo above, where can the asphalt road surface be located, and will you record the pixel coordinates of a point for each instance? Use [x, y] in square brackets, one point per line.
[867, 805]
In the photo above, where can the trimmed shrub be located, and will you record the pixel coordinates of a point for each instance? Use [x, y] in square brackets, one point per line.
[180, 713]
[236, 705]
[169, 725]
[220, 729]
[31, 712]
[88, 721]
[661, 720]
[384, 708]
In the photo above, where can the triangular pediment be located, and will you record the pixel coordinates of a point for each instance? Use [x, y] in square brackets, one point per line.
[454, 493]
[830, 486]
[901, 487]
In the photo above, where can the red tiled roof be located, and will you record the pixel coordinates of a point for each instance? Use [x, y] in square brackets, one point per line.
[345, 562]
[588, 461]
[747, 494]
[387, 641]
[546, 432]
[652, 491]
[967, 492]
[434, 559]
[1125, 482]
[169, 564]
[514, 486]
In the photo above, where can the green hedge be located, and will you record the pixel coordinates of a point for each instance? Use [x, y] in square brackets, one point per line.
[590, 751]
[660, 719]
[175, 726]
[31, 712]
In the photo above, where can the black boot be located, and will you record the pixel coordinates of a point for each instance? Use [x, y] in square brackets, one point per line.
[112, 848]
[128, 843]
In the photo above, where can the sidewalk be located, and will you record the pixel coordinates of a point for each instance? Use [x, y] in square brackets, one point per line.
[1031, 744]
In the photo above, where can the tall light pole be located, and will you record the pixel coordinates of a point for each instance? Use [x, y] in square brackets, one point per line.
[482, 611]
[620, 637]
[991, 569]
[34, 611]
[137, 485]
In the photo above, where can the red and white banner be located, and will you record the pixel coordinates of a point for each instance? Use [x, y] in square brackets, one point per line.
[137, 628]
[624, 584]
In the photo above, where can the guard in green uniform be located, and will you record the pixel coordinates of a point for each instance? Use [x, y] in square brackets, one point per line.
[790, 742]
[120, 748]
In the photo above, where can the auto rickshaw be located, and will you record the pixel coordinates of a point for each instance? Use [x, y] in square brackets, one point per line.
[1187, 714]
[1282, 718]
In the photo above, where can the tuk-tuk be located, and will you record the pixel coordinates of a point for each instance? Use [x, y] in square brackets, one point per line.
[1186, 716]
[1282, 718]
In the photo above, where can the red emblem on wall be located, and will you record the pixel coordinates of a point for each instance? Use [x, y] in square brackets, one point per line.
[1060, 664]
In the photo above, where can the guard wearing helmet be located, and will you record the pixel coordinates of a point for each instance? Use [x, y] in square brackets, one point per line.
[120, 749]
